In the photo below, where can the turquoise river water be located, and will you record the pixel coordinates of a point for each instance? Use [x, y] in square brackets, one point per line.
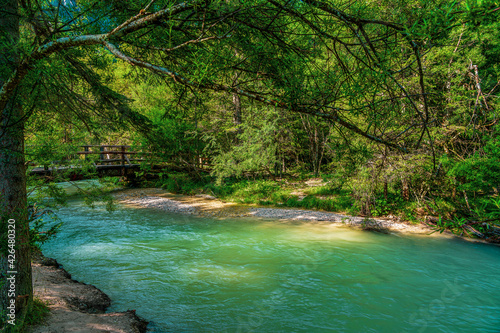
[191, 274]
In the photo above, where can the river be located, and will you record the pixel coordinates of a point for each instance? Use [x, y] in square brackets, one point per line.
[192, 274]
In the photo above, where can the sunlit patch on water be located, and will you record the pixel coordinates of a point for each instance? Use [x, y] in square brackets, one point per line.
[218, 273]
[96, 250]
[189, 274]
[310, 232]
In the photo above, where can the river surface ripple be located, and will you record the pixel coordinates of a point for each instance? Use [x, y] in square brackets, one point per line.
[191, 274]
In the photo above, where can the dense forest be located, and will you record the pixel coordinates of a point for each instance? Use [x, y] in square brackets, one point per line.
[392, 104]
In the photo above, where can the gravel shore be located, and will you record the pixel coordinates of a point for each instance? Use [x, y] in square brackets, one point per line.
[161, 203]
[205, 205]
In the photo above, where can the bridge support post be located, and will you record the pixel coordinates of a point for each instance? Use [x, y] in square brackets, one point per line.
[124, 171]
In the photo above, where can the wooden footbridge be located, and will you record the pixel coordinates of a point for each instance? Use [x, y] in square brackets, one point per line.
[114, 160]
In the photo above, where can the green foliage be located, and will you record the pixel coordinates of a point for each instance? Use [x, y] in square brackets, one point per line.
[328, 189]
[480, 171]
[37, 315]
[44, 224]
[39, 312]
[381, 207]
[255, 191]
[182, 183]
[255, 149]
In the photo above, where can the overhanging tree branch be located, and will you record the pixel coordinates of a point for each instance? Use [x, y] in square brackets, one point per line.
[145, 20]
[136, 23]
[333, 117]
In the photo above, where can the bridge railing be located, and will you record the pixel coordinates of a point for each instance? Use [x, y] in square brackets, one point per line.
[107, 156]
[117, 157]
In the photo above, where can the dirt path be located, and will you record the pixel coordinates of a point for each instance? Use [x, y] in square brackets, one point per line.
[77, 307]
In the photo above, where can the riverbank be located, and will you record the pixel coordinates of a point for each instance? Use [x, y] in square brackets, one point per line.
[209, 206]
[76, 306]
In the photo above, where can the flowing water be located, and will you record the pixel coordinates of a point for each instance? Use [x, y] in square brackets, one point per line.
[189, 274]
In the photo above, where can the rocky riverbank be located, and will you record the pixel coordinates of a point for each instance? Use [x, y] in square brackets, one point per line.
[76, 306]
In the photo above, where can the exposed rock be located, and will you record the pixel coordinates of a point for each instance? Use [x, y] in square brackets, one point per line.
[49, 262]
[76, 306]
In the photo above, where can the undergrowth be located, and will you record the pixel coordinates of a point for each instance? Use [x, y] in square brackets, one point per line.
[36, 316]
[38, 313]
[281, 193]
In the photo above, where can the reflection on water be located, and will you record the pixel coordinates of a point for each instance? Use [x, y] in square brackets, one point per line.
[188, 274]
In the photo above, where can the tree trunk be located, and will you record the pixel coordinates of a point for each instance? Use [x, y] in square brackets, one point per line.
[237, 109]
[13, 210]
[406, 189]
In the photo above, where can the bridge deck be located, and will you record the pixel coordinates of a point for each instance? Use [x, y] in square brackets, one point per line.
[48, 171]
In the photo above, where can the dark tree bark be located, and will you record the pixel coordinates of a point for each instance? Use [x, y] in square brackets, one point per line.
[406, 189]
[237, 105]
[237, 111]
[386, 190]
[13, 181]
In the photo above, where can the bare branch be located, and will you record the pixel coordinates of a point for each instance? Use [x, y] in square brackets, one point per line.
[143, 20]
[192, 41]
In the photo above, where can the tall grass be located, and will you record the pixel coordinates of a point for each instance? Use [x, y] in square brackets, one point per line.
[262, 192]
